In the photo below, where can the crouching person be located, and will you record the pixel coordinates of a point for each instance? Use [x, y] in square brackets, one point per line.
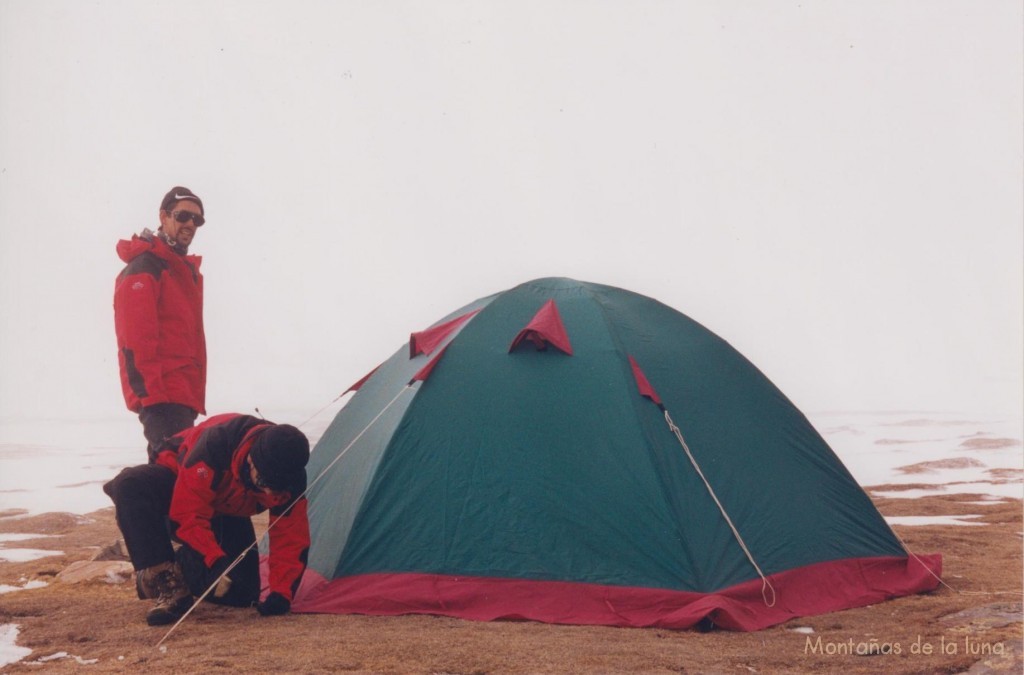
[205, 484]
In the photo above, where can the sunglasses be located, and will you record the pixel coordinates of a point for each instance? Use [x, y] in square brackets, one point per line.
[185, 216]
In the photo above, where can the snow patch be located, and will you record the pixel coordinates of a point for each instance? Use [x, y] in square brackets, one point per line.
[9, 651]
[26, 586]
[913, 521]
[995, 490]
[58, 656]
[25, 554]
[960, 454]
[22, 536]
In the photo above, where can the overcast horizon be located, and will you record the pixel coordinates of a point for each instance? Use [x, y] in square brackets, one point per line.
[835, 188]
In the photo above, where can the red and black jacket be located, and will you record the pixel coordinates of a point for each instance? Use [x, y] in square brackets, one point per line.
[209, 460]
[158, 318]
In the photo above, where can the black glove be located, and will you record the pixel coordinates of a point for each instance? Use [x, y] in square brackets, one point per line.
[274, 605]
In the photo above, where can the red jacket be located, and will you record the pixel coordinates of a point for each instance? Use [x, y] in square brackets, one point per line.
[158, 318]
[209, 460]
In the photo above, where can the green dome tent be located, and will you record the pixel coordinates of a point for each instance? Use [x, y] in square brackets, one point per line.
[574, 453]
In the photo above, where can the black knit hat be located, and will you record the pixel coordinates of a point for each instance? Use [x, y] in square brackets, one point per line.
[279, 454]
[178, 194]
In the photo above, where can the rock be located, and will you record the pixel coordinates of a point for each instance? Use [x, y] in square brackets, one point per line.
[115, 551]
[1010, 661]
[995, 615]
[111, 571]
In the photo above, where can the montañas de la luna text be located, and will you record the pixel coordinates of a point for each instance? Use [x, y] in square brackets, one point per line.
[964, 645]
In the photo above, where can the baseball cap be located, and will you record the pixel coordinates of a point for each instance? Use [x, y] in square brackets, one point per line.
[178, 194]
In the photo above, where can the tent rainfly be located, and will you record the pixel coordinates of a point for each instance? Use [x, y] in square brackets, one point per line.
[574, 453]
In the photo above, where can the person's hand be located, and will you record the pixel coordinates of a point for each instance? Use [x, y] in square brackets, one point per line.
[274, 605]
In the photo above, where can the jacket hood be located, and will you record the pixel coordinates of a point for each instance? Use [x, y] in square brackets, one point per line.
[129, 249]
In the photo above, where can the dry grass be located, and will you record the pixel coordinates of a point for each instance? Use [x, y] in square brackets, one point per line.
[104, 622]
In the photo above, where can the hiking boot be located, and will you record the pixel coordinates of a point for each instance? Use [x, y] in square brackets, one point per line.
[147, 580]
[145, 583]
[165, 583]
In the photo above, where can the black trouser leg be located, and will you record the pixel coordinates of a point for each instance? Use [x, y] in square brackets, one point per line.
[142, 499]
[163, 420]
[234, 534]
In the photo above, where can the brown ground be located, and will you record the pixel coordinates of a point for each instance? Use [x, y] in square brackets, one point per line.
[104, 621]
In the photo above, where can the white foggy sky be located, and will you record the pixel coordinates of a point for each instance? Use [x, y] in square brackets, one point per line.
[833, 187]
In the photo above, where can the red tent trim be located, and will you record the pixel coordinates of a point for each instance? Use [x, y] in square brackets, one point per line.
[361, 382]
[805, 591]
[642, 383]
[425, 371]
[426, 341]
[545, 328]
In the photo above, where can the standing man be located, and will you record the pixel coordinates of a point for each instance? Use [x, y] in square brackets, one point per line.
[201, 490]
[158, 318]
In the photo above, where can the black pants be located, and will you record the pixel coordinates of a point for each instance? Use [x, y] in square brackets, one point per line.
[142, 500]
[163, 420]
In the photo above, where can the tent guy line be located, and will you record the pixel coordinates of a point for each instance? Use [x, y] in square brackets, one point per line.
[321, 410]
[943, 581]
[648, 392]
[256, 543]
[765, 584]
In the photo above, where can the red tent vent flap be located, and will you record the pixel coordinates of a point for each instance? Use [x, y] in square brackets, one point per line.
[642, 383]
[545, 329]
[361, 382]
[426, 341]
[425, 371]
